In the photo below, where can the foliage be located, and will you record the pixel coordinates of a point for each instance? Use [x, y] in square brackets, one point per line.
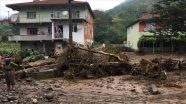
[5, 31]
[147, 39]
[109, 26]
[171, 15]
[9, 48]
[13, 50]
[33, 58]
[180, 38]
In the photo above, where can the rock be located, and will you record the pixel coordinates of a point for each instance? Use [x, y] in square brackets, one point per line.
[49, 89]
[10, 98]
[34, 101]
[49, 96]
[4, 100]
[29, 79]
[89, 76]
[153, 89]
[133, 90]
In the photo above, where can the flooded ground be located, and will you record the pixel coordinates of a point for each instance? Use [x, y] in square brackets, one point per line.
[125, 89]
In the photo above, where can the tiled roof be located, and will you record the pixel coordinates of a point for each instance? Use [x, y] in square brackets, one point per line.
[43, 2]
[17, 6]
[144, 17]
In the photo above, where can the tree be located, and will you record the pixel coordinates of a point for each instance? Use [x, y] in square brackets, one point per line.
[172, 16]
[6, 31]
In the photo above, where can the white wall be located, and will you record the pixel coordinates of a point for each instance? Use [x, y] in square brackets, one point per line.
[77, 36]
[133, 36]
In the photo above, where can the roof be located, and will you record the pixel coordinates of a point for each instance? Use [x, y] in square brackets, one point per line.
[144, 17]
[17, 6]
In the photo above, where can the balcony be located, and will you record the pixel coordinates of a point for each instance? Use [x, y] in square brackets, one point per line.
[18, 38]
[44, 19]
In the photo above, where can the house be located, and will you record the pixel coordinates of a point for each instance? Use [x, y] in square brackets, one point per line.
[143, 27]
[44, 25]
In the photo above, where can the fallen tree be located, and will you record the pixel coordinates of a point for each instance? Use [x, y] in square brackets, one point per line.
[79, 62]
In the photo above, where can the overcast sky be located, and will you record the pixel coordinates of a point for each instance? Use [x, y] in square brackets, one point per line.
[95, 4]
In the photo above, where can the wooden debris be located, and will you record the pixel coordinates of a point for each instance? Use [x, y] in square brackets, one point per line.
[177, 85]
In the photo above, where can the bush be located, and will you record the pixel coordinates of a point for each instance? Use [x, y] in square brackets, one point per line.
[33, 58]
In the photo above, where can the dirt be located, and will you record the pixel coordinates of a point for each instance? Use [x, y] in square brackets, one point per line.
[125, 89]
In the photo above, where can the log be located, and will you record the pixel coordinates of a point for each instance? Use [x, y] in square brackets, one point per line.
[28, 70]
[104, 53]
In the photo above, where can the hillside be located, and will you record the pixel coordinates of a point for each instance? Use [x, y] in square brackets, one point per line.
[112, 30]
[131, 9]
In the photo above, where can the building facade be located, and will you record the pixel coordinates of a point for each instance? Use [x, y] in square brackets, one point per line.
[44, 25]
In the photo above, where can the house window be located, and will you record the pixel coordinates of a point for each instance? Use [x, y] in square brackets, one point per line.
[49, 30]
[150, 26]
[74, 28]
[32, 31]
[31, 15]
[55, 14]
[75, 14]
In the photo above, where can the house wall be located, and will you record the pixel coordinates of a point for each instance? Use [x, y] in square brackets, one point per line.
[142, 26]
[44, 28]
[133, 36]
[77, 36]
[44, 14]
[88, 30]
[134, 32]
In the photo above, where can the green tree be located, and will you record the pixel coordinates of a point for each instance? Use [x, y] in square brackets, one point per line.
[6, 31]
[172, 16]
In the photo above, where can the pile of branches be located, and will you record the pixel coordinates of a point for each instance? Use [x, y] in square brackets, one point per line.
[155, 68]
[152, 69]
[78, 62]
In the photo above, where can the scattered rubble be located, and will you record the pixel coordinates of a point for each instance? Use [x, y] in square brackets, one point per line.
[103, 85]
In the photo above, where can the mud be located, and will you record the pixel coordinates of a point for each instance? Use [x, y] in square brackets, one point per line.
[125, 89]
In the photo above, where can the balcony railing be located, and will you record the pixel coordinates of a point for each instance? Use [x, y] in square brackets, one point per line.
[43, 19]
[34, 37]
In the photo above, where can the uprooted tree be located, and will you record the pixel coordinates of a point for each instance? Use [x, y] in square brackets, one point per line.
[88, 63]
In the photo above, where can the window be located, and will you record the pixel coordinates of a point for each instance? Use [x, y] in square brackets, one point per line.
[56, 14]
[150, 26]
[31, 15]
[49, 30]
[75, 14]
[32, 31]
[74, 28]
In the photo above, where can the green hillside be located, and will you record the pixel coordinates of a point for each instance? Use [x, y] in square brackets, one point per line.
[110, 25]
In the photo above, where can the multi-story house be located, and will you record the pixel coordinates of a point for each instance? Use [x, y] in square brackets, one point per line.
[144, 27]
[44, 24]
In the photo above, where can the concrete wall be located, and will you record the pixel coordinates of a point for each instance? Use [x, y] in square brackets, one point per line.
[44, 14]
[77, 36]
[133, 35]
[23, 29]
[44, 47]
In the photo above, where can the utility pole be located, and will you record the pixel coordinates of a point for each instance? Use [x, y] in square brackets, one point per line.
[70, 23]
[8, 14]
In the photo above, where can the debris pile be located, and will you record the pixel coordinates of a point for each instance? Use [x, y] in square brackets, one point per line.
[156, 68]
[87, 63]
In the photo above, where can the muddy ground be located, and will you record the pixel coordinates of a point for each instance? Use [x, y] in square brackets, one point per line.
[123, 89]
